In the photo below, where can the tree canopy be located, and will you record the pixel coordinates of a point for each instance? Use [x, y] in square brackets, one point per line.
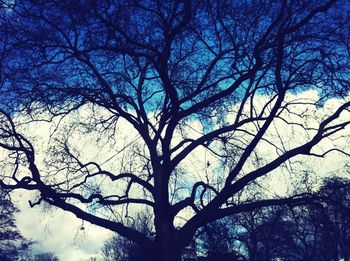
[135, 90]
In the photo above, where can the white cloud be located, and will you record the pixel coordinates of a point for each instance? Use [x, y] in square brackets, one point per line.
[57, 231]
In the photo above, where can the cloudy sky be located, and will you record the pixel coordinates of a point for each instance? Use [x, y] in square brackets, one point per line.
[61, 232]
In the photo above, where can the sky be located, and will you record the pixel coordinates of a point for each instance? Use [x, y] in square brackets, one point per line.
[58, 231]
[61, 233]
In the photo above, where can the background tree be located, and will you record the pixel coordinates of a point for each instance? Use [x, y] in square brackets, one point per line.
[46, 256]
[334, 220]
[119, 248]
[309, 232]
[12, 244]
[217, 240]
[123, 249]
[226, 80]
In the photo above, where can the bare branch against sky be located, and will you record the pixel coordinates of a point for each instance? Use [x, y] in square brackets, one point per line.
[126, 95]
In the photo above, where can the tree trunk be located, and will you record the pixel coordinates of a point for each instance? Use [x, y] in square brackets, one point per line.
[168, 254]
[166, 247]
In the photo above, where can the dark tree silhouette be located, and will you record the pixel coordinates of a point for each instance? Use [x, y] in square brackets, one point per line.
[217, 241]
[310, 232]
[333, 221]
[119, 248]
[270, 234]
[123, 249]
[46, 256]
[163, 68]
[12, 244]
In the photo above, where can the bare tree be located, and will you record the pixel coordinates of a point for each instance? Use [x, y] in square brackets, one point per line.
[192, 79]
[12, 243]
[123, 249]
[333, 220]
[47, 256]
[308, 232]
